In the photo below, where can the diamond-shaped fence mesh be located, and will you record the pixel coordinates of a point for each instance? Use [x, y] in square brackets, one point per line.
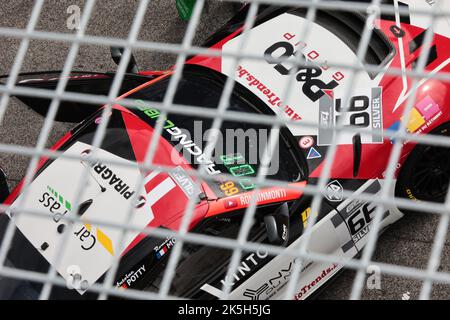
[75, 224]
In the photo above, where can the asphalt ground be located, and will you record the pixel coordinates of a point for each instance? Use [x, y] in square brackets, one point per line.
[407, 243]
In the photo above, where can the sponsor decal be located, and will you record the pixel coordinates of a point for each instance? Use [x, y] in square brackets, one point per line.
[364, 111]
[88, 239]
[184, 182]
[306, 216]
[274, 284]
[280, 45]
[237, 166]
[131, 277]
[54, 202]
[416, 44]
[98, 120]
[441, 25]
[313, 154]
[358, 214]
[263, 196]
[394, 127]
[230, 203]
[162, 249]
[112, 179]
[271, 98]
[423, 115]
[177, 134]
[361, 215]
[88, 247]
[428, 108]
[334, 191]
[310, 286]
[415, 121]
[161, 189]
[306, 142]
[60, 199]
[246, 267]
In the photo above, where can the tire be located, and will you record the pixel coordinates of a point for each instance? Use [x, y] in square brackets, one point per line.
[4, 190]
[425, 175]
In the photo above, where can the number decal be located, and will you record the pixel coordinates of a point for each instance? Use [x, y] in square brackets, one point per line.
[360, 219]
[229, 188]
[359, 115]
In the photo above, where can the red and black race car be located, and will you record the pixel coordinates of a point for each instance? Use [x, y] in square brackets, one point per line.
[223, 194]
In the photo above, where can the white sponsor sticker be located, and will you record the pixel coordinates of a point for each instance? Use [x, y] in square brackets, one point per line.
[365, 111]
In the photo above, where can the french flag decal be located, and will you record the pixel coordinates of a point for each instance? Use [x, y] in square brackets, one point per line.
[161, 252]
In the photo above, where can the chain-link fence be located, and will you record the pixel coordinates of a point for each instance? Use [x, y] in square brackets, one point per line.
[393, 51]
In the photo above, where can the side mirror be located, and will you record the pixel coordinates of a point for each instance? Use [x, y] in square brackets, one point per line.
[277, 225]
[116, 55]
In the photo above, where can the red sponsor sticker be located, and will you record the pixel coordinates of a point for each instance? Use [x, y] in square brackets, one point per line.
[230, 203]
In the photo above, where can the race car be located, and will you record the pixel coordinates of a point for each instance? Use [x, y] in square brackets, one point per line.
[112, 191]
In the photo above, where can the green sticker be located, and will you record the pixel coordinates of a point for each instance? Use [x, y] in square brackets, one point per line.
[185, 8]
[60, 198]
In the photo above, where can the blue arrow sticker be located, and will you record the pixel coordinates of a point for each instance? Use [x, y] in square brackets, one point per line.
[395, 126]
[313, 154]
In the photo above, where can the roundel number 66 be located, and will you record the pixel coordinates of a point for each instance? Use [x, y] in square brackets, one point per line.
[360, 218]
[312, 87]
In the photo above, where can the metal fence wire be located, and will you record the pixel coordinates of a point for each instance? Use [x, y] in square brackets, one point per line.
[426, 273]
